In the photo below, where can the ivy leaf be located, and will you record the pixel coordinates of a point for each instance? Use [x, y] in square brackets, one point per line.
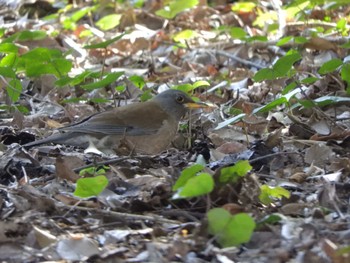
[199, 185]
[187, 174]
[232, 173]
[90, 186]
[330, 66]
[269, 194]
[230, 230]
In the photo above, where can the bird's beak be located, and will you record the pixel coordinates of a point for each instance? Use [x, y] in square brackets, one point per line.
[197, 105]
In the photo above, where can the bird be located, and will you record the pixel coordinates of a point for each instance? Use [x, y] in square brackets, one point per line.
[145, 127]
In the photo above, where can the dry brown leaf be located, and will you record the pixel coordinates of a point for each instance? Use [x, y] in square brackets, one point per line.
[233, 208]
[65, 165]
[331, 249]
[43, 237]
[298, 177]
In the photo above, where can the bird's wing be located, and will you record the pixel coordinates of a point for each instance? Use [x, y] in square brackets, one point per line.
[118, 122]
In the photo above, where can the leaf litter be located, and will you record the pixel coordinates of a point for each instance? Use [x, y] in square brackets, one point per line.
[135, 219]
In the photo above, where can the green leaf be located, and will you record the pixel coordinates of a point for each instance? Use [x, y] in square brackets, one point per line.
[41, 54]
[346, 45]
[271, 105]
[51, 17]
[271, 219]
[269, 194]
[31, 35]
[120, 88]
[57, 67]
[184, 87]
[26, 35]
[309, 80]
[341, 25]
[199, 185]
[345, 75]
[300, 7]
[230, 121]
[283, 100]
[138, 81]
[7, 72]
[185, 35]
[235, 111]
[10, 60]
[8, 48]
[230, 230]
[99, 100]
[105, 44]
[11, 108]
[343, 251]
[257, 38]
[66, 80]
[91, 186]
[307, 103]
[108, 22]
[14, 90]
[68, 23]
[187, 174]
[264, 74]
[284, 64]
[300, 40]
[41, 61]
[328, 100]
[289, 87]
[93, 171]
[244, 7]
[81, 13]
[146, 96]
[238, 33]
[232, 173]
[330, 66]
[175, 7]
[138, 3]
[262, 17]
[200, 83]
[108, 79]
[284, 41]
[322, 101]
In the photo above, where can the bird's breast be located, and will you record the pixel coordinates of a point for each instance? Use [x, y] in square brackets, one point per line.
[153, 143]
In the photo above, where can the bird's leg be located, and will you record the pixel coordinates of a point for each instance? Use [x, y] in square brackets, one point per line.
[126, 147]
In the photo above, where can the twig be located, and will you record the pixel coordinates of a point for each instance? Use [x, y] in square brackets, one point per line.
[123, 216]
[271, 155]
[114, 160]
[238, 59]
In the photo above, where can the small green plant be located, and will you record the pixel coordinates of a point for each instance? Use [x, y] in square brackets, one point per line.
[69, 20]
[281, 69]
[175, 7]
[229, 230]
[191, 87]
[45, 61]
[109, 21]
[91, 186]
[269, 194]
[233, 173]
[34, 63]
[192, 183]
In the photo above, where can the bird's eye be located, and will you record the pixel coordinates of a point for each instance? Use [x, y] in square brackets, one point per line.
[180, 99]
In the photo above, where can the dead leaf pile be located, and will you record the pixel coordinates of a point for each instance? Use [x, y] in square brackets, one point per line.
[302, 148]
